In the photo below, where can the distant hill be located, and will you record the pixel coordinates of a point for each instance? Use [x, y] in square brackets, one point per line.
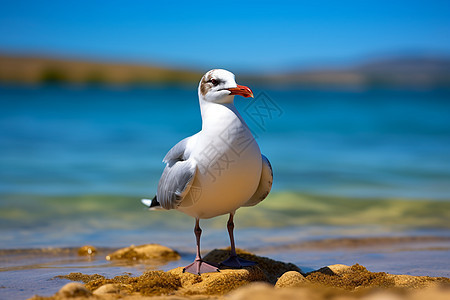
[421, 71]
[395, 71]
[28, 69]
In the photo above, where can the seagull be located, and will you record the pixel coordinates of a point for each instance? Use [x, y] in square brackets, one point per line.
[217, 170]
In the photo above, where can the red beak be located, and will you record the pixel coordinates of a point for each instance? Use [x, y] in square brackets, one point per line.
[241, 90]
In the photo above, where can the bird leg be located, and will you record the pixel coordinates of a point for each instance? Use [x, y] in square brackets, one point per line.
[234, 261]
[199, 266]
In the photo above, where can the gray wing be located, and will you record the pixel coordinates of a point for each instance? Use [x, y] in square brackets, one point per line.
[265, 183]
[175, 183]
[177, 153]
[177, 177]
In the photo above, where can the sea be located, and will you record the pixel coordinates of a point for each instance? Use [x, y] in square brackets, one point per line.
[348, 163]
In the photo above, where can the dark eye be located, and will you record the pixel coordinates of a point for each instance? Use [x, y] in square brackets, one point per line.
[214, 82]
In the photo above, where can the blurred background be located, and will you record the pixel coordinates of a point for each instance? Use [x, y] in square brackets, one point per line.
[355, 97]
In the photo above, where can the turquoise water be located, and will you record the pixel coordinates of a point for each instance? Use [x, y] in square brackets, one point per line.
[74, 162]
[67, 154]
[364, 143]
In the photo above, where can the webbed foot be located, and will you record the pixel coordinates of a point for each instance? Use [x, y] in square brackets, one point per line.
[200, 266]
[236, 262]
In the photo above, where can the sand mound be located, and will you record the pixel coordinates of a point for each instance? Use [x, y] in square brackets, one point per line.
[144, 252]
[291, 279]
[264, 291]
[272, 269]
[357, 276]
[87, 250]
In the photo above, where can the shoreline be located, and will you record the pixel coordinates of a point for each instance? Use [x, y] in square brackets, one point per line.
[317, 244]
[268, 276]
[37, 266]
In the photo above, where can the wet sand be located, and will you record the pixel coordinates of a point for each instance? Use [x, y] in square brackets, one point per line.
[44, 272]
[269, 279]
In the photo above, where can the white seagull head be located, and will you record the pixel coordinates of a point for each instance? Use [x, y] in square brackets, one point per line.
[219, 86]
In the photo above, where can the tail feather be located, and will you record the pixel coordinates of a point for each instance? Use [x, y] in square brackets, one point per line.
[152, 204]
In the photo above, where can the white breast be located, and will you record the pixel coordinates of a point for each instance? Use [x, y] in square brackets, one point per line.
[229, 164]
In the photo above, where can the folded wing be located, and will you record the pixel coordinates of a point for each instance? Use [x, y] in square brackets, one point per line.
[177, 176]
[265, 183]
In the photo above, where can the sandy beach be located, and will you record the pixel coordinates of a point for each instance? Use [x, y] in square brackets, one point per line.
[155, 271]
[269, 279]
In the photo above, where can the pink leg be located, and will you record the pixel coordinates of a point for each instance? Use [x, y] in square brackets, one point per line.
[199, 266]
[234, 261]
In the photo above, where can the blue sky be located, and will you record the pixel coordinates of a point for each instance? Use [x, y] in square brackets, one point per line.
[252, 35]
